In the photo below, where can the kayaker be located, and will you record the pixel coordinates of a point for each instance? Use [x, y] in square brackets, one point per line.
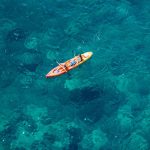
[56, 71]
[72, 62]
[65, 67]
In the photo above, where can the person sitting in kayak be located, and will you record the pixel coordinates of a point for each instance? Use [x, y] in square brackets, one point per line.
[65, 67]
[72, 62]
[56, 71]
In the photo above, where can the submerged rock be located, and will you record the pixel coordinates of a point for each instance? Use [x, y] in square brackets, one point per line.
[19, 148]
[95, 140]
[84, 95]
[28, 60]
[24, 81]
[31, 42]
[72, 84]
[48, 140]
[140, 84]
[16, 35]
[36, 145]
[46, 120]
[125, 119]
[6, 25]
[135, 141]
[91, 112]
[7, 76]
[75, 137]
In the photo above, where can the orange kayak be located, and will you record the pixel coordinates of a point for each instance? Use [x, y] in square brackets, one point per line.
[69, 65]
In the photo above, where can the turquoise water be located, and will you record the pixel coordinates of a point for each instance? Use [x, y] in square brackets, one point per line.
[102, 105]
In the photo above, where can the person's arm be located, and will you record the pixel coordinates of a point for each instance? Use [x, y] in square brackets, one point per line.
[62, 66]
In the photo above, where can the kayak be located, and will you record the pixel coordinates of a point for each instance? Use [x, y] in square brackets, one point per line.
[69, 65]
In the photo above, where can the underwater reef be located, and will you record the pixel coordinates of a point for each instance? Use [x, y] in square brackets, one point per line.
[103, 104]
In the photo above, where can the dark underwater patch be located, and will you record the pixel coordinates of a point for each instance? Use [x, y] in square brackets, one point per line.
[45, 143]
[85, 95]
[18, 120]
[75, 135]
[106, 103]
[20, 148]
[27, 61]
[17, 34]
[91, 112]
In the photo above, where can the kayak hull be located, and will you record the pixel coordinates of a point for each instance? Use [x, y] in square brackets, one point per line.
[60, 69]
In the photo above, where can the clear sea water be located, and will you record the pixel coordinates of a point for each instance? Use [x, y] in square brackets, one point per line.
[102, 105]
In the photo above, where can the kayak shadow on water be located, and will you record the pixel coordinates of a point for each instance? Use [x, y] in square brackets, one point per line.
[69, 75]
